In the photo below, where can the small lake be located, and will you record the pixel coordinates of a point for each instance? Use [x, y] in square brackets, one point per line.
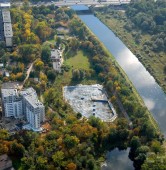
[118, 160]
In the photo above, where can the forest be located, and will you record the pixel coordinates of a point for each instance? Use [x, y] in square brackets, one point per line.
[72, 142]
[150, 17]
[141, 26]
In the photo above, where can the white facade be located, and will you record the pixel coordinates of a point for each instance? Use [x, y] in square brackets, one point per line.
[12, 103]
[56, 57]
[25, 103]
[34, 110]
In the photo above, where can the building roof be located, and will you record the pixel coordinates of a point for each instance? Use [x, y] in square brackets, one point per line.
[8, 30]
[5, 162]
[31, 96]
[9, 92]
[5, 5]
[6, 16]
[55, 54]
[10, 85]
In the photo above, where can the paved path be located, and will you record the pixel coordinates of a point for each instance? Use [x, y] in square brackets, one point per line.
[120, 105]
[27, 76]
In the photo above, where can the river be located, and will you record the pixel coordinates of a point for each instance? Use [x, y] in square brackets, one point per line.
[151, 93]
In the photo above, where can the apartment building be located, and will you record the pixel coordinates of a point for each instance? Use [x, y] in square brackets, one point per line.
[6, 32]
[23, 104]
[12, 103]
[33, 109]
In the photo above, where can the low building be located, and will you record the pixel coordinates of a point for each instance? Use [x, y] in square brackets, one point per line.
[23, 104]
[5, 163]
[56, 57]
[90, 100]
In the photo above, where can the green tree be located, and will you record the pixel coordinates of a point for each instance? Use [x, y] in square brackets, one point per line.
[58, 158]
[46, 53]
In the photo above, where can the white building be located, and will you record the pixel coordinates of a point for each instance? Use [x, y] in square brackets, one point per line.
[33, 109]
[23, 104]
[56, 57]
[12, 103]
[6, 32]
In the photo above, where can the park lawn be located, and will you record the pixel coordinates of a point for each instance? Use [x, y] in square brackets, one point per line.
[79, 61]
[75, 60]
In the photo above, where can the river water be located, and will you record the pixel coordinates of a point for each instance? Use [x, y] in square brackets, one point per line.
[151, 93]
[149, 90]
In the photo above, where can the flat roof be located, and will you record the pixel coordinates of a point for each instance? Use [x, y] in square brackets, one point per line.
[8, 30]
[7, 4]
[10, 85]
[55, 54]
[90, 100]
[31, 96]
[9, 92]
[6, 16]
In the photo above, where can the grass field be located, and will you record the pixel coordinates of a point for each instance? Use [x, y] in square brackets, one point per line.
[78, 61]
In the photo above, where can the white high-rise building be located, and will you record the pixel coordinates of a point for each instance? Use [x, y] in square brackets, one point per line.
[23, 104]
[34, 110]
[12, 103]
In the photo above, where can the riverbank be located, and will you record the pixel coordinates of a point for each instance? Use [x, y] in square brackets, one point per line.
[153, 62]
[123, 74]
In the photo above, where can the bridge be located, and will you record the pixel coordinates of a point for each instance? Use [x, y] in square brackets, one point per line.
[83, 2]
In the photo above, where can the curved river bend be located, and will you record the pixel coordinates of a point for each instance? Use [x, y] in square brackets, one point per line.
[147, 87]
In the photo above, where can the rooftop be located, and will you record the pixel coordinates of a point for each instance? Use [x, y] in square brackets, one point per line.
[10, 85]
[31, 96]
[90, 100]
[8, 30]
[55, 54]
[6, 16]
[5, 5]
[9, 92]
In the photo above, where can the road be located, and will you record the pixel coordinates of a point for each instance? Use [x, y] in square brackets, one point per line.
[27, 76]
[78, 2]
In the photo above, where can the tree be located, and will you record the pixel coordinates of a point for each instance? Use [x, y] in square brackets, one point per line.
[39, 65]
[71, 166]
[46, 53]
[156, 147]
[58, 158]
[70, 141]
[51, 75]
[17, 149]
[43, 31]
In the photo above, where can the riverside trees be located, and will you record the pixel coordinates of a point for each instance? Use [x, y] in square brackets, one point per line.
[74, 143]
